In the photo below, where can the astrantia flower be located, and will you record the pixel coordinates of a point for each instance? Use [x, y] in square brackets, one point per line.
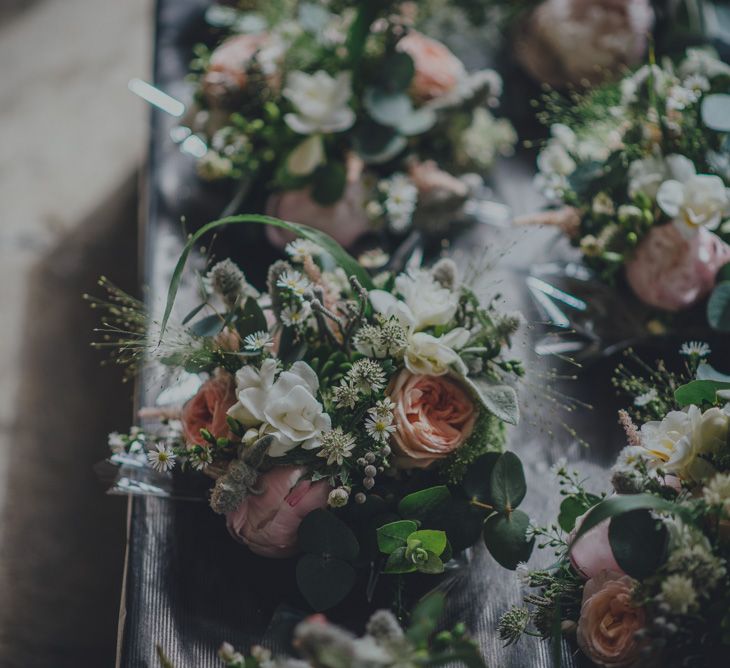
[300, 249]
[292, 316]
[379, 429]
[162, 458]
[321, 102]
[257, 341]
[346, 395]
[646, 398]
[336, 446]
[383, 409]
[294, 282]
[694, 349]
[367, 375]
[679, 594]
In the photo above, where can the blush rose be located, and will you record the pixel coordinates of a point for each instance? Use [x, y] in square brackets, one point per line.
[433, 416]
[268, 522]
[438, 70]
[228, 69]
[592, 554]
[609, 621]
[208, 408]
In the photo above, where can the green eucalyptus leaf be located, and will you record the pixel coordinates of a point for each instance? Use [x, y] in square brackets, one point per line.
[431, 540]
[398, 563]
[507, 482]
[322, 533]
[377, 144]
[638, 542]
[341, 257]
[251, 319]
[324, 581]
[716, 112]
[208, 326]
[718, 307]
[387, 108]
[476, 482]
[417, 122]
[396, 72]
[699, 392]
[506, 538]
[419, 504]
[572, 508]
[329, 183]
[394, 535]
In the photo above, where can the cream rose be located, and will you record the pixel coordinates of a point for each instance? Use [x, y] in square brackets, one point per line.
[431, 356]
[434, 416]
[700, 201]
[609, 620]
[438, 71]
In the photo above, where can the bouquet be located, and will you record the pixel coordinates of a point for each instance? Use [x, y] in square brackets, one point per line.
[355, 421]
[385, 644]
[348, 117]
[642, 576]
[641, 168]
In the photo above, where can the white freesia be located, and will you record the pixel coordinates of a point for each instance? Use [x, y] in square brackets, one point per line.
[700, 201]
[321, 102]
[435, 356]
[306, 157]
[287, 404]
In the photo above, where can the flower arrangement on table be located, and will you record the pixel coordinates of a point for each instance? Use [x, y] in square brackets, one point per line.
[356, 421]
[386, 644]
[642, 170]
[346, 115]
[643, 576]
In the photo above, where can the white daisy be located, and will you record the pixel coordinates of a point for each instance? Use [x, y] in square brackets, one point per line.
[646, 398]
[379, 429]
[258, 341]
[300, 249]
[162, 458]
[695, 349]
[199, 459]
[294, 282]
[292, 316]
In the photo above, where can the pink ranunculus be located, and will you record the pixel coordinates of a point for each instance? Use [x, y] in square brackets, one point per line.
[592, 554]
[268, 523]
[207, 409]
[566, 42]
[438, 71]
[345, 220]
[227, 72]
[609, 621]
[434, 415]
[672, 272]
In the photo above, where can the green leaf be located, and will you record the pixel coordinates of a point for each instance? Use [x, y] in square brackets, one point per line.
[507, 482]
[394, 535]
[323, 581]
[425, 618]
[477, 480]
[208, 326]
[699, 392]
[329, 183]
[377, 144]
[431, 540]
[396, 72]
[419, 504]
[506, 538]
[572, 508]
[291, 346]
[718, 307]
[638, 542]
[398, 563]
[618, 505]
[499, 400]
[193, 313]
[417, 122]
[716, 112]
[432, 566]
[706, 372]
[343, 259]
[387, 108]
[251, 319]
[322, 533]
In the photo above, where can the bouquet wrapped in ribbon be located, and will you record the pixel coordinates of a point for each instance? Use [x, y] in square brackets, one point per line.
[356, 421]
[643, 576]
[348, 117]
[641, 169]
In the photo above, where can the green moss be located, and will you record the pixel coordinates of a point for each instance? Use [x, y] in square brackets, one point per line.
[489, 435]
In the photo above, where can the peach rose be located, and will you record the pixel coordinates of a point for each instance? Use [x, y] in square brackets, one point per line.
[433, 181]
[227, 72]
[345, 220]
[438, 71]
[207, 409]
[592, 554]
[268, 523]
[608, 621]
[671, 272]
[434, 416]
[573, 41]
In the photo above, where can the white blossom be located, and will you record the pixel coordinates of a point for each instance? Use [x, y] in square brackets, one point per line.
[321, 101]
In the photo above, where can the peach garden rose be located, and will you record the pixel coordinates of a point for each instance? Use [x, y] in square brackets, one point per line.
[208, 408]
[228, 69]
[438, 70]
[609, 621]
[434, 416]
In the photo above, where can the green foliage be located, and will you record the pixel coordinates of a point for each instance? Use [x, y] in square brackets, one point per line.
[328, 183]
[638, 542]
[699, 392]
[421, 503]
[410, 549]
[718, 307]
[506, 538]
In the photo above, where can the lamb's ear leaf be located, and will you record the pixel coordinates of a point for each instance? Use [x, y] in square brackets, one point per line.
[499, 399]
[340, 255]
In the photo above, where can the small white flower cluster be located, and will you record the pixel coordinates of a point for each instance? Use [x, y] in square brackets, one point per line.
[364, 377]
[400, 198]
[294, 284]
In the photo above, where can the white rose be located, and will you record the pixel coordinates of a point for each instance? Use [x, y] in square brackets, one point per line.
[253, 387]
[701, 201]
[431, 356]
[321, 102]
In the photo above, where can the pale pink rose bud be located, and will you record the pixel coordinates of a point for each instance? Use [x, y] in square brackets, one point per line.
[592, 553]
[227, 72]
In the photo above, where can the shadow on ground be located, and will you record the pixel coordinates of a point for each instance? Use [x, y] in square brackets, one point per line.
[64, 539]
